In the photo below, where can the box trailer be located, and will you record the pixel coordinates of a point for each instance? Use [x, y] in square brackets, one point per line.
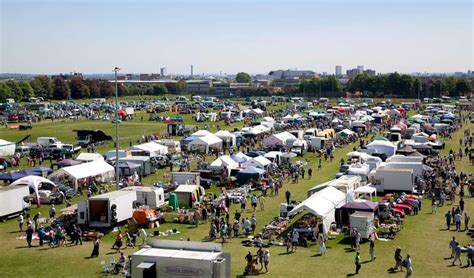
[387, 179]
[152, 197]
[402, 158]
[106, 210]
[170, 258]
[319, 143]
[185, 178]
[14, 200]
[363, 221]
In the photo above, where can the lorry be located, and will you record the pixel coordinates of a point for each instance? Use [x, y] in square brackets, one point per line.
[13, 200]
[180, 178]
[417, 167]
[106, 210]
[388, 179]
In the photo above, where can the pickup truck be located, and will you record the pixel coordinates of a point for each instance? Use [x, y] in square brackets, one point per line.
[66, 151]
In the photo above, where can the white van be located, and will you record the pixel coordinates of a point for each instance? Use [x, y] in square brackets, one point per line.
[48, 141]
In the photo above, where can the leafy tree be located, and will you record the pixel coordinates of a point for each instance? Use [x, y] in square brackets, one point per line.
[181, 86]
[79, 89]
[439, 87]
[5, 91]
[122, 90]
[61, 89]
[15, 89]
[462, 87]
[94, 89]
[26, 89]
[106, 89]
[159, 90]
[417, 88]
[42, 86]
[450, 85]
[243, 77]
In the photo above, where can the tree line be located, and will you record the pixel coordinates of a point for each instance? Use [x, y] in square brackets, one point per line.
[407, 86]
[59, 88]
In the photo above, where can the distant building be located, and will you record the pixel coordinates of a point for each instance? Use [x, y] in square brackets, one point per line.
[68, 76]
[352, 72]
[199, 86]
[287, 82]
[144, 76]
[360, 68]
[291, 74]
[338, 71]
[369, 72]
[220, 87]
[163, 72]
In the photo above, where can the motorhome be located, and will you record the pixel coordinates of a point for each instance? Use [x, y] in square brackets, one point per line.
[106, 210]
[173, 146]
[417, 167]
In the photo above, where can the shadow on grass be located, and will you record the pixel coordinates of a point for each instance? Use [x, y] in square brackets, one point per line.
[21, 247]
[351, 274]
[284, 253]
[317, 255]
[367, 261]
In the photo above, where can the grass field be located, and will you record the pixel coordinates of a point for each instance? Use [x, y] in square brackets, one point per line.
[423, 236]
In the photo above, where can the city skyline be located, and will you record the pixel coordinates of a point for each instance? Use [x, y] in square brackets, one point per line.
[94, 36]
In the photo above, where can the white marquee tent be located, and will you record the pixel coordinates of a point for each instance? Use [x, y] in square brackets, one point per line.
[6, 148]
[153, 148]
[89, 157]
[204, 143]
[226, 136]
[259, 162]
[99, 169]
[322, 204]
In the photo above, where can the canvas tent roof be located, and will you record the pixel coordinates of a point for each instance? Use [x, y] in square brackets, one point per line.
[253, 170]
[6, 148]
[322, 204]
[207, 140]
[362, 206]
[153, 148]
[226, 161]
[85, 170]
[88, 157]
[201, 133]
[258, 161]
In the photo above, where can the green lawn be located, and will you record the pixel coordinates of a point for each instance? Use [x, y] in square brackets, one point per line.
[423, 236]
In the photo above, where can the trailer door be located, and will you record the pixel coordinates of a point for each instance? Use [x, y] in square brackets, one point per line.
[81, 212]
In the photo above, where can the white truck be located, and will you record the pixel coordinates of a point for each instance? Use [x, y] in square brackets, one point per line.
[14, 200]
[390, 180]
[106, 210]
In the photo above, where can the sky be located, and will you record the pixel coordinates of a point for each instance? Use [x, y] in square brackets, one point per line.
[228, 36]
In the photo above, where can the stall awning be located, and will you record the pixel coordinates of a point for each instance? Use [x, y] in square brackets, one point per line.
[145, 265]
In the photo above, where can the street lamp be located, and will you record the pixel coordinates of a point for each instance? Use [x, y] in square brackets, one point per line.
[117, 146]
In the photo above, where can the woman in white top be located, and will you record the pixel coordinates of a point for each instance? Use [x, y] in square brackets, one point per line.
[266, 260]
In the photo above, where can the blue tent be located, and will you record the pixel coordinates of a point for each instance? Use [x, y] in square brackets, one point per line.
[249, 173]
[41, 169]
[189, 139]
[12, 176]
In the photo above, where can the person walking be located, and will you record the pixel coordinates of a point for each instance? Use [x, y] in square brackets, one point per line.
[433, 205]
[294, 240]
[357, 262]
[372, 239]
[408, 265]
[20, 222]
[261, 201]
[448, 217]
[457, 220]
[143, 235]
[29, 235]
[470, 255]
[253, 202]
[52, 212]
[77, 234]
[310, 173]
[466, 221]
[266, 259]
[322, 244]
[452, 246]
[457, 254]
[260, 254]
[461, 204]
[253, 224]
[398, 259]
[95, 250]
[288, 196]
